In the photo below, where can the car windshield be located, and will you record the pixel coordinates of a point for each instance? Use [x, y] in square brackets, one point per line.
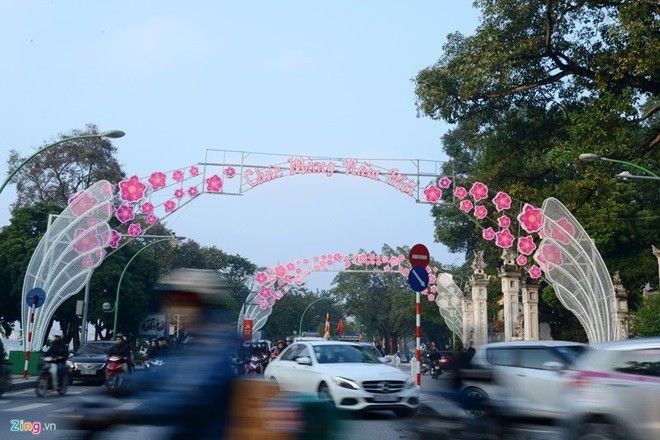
[571, 352]
[95, 348]
[338, 354]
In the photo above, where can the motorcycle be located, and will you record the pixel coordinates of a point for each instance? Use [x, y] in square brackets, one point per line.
[45, 381]
[116, 373]
[436, 370]
[254, 366]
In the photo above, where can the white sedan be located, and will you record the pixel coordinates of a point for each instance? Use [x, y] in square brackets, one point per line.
[348, 374]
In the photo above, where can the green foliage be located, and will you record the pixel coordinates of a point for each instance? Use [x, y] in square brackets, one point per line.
[537, 84]
[646, 321]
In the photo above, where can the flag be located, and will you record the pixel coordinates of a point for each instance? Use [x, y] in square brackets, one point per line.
[326, 333]
[340, 327]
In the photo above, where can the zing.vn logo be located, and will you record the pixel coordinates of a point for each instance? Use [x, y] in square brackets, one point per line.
[34, 427]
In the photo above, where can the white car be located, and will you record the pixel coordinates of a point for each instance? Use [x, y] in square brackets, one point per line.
[350, 375]
[614, 392]
[528, 374]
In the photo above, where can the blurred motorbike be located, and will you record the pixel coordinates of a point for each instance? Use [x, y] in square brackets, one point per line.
[254, 366]
[45, 385]
[116, 373]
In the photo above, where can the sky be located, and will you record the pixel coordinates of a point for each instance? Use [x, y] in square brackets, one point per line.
[313, 78]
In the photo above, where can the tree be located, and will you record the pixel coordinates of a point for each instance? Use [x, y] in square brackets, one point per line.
[56, 174]
[537, 84]
[646, 321]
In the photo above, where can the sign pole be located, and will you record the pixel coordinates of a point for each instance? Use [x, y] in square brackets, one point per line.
[29, 337]
[418, 338]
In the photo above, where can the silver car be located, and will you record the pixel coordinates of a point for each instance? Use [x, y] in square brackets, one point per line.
[529, 375]
[614, 392]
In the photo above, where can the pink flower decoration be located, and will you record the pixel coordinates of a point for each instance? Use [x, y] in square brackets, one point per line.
[264, 292]
[402, 258]
[214, 184]
[431, 297]
[550, 253]
[290, 267]
[526, 245]
[177, 176]
[433, 289]
[432, 280]
[132, 190]
[230, 172]
[115, 238]
[263, 305]
[134, 229]
[394, 261]
[444, 182]
[465, 206]
[298, 279]
[151, 219]
[563, 231]
[261, 277]
[85, 240]
[362, 258]
[504, 221]
[480, 212]
[534, 272]
[405, 271]
[193, 191]
[504, 239]
[460, 192]
[432, 194]
[521, 260]
[337, 256]
[278, 294]
[347, 264]
[157, 180]
[502, 201]
[194, 171]
[82, 202]
[531, 218]
[88, 261]
[170, 205]
[280, 271]
[488, 234]
[178, 193]
[125, 213]
[147, 208]
[479, 191]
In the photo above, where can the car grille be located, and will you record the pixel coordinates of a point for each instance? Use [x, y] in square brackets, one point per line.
[383, 386]
[86, 366]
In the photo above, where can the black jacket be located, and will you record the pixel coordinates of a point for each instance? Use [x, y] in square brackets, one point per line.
[58, 349]
[122, 350]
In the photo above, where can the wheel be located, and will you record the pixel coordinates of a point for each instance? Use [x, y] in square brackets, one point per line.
[324, 394]
[42, 385]
[404, 412]
[65, 385]
[474, 394]
[599, 431]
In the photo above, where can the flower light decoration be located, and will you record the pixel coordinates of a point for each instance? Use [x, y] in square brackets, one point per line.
[432, 194]
[132, 190]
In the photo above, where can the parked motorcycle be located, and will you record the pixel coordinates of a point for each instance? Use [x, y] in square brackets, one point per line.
[45, 385]
[116, 373]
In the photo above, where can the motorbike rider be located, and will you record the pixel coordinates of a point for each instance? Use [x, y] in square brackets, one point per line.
[278, 349]
[59, 351]
[289, 341]
[122, 349]
[197, 379]
[154, 350]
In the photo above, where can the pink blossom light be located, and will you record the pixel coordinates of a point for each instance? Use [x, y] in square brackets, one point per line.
[488, 234]
[526, 245]
[170, 206]
[504, 239]
[194, 171]
[444, 182]
[230, 172]
[115, 238]
[502, 201]
[151, 219]
[193, 191]
[132, 190]
[465, 206]
[534, 272]
[479, 191]
[261, 277]
[460, 192]
[504, 221]
[480, 212]
[85, 240]
[550, 253]
[177, 176]
[157, 180]
[563, 231]
[125, 213]
[147, 208]
[521, 260]
[134, 229]
[531, 218]
[432, 194]
[280, 271]
[290, 267]
[179, 193]
[214, 184]
[81, 203]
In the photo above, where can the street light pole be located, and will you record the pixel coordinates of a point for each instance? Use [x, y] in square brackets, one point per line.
[114, 326]
[305, 311]
[590, 157]
[109, 134]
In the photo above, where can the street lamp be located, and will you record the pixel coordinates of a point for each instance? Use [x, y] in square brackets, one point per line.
[305, 311]
[169, 238]
[625, 175]
[113, 134]
[590, 157]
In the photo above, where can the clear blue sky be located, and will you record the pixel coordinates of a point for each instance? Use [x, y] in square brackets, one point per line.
[331, 78]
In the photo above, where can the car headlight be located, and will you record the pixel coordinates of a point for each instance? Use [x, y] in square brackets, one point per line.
[410, 384]
[345, 383]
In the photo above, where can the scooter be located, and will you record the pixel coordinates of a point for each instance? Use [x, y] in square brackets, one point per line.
[254, 366]
[115, 373]
[45, 384]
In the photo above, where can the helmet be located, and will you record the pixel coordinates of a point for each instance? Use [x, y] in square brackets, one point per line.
[209, 286]
[289, 339]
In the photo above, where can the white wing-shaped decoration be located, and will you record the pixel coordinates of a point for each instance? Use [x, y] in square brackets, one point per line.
[574, 267]
[68, 253]
[252, 310]
[449, 299]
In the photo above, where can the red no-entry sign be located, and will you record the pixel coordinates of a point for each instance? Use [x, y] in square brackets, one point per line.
[419, 256]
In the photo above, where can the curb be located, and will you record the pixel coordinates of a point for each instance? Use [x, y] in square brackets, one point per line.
[21, 384]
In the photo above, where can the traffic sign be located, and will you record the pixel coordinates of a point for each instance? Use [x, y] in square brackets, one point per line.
[36, 293]
[418, 278]
[419, 256]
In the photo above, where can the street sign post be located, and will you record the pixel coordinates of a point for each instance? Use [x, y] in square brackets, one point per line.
[35, 298]
[419, 256]
[418, 278]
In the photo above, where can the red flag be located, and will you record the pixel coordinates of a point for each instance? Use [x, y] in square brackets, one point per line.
[326, 333]
[340, 327]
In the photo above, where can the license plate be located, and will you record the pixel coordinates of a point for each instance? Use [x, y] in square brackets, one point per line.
[385, 398]
[88, 372]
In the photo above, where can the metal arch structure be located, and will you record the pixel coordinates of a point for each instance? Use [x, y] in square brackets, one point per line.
[274, 282]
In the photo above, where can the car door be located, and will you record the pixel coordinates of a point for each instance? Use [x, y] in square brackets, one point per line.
[285, 367]
[541, 388]
[306, 376]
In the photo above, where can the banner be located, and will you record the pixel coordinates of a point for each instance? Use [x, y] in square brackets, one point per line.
[247, 329]
[154, 326]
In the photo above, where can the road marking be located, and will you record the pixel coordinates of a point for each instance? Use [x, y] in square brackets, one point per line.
[14, 393]
[129, 405]
[68, 408]
[27, 407]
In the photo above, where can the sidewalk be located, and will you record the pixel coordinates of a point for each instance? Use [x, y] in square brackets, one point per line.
[18, 383]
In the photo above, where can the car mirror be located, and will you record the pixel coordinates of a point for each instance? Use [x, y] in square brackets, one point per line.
[304, 360]
[553, 366]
